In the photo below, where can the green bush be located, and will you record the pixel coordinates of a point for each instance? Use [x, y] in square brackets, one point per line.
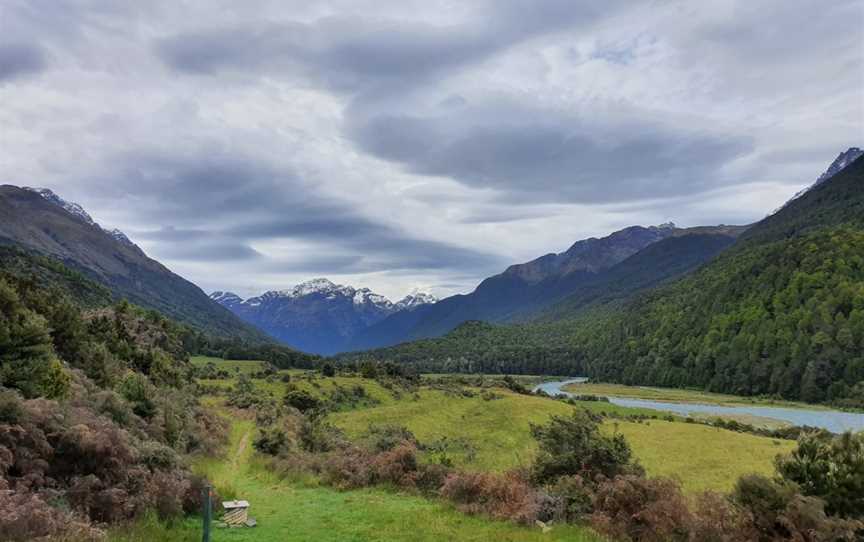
[301, 400]
[574, 445]
[830, 468]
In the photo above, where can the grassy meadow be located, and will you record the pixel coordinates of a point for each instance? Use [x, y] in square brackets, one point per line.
[496, 434]
[477, 429]
[305, 511]
[481, 434]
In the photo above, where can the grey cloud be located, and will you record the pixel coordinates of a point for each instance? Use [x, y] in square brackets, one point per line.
[210, 202]
[20, 60]
[352, 53]
[207, 251]
[537, 156]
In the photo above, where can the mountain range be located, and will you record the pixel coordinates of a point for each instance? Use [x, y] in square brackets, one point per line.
[524, 290]
[779, 311]
[593, 276]
[318, 316]
[41, 222]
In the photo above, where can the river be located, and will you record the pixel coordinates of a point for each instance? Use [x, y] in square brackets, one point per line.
[835, 421]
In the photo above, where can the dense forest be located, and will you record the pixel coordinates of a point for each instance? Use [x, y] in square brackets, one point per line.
[781, 312]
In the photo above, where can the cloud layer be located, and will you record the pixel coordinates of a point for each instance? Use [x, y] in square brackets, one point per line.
[418, 143]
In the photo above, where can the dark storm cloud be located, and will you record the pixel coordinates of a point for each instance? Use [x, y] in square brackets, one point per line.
[537, 156]
[216, 206]
[20, 60]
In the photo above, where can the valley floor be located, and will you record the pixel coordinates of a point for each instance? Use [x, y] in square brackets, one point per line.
[477, 429]
[303, 511]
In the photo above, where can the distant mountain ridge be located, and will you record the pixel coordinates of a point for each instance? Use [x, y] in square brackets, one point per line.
[42, 222]
[77, 210]
[843, 160]
[779, 312]
[318, 315]
[524, 291]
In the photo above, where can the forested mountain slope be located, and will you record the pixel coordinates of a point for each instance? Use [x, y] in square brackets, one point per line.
[524, 290]
[32, 222]
[780, 312]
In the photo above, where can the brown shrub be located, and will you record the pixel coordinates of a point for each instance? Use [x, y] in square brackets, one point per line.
[715, 519]
[25, 516]
[502, 496]
[398, 466]
[641, 509]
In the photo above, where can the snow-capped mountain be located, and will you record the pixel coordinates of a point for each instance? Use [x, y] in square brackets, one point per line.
[839, 164]
[317, 316]
[76, 210]
[414, 300]
[71, 207]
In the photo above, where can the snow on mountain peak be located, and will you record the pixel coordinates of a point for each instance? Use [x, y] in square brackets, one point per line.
[70, 207]
[319, 285]
[225, 297]
[414, 300]
[74, 209]
[840, 163]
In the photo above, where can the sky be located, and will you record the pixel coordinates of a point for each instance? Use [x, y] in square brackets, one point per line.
[412, 144]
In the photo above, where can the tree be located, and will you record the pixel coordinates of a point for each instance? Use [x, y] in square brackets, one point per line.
[574, 445]
[830, 468]
[26, 353]
[301, 400]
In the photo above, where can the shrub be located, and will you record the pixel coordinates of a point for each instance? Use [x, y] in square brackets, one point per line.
[301, 400]
[11, 410]
[25, 516]
[574, 446]
[315, 435]
[514, 385]
[383, 438]
[775, 510]
[271, 441]
[328, 370]
[158, 456]
[502, 496]
[830, 468]
[575, 495]
[641, 509]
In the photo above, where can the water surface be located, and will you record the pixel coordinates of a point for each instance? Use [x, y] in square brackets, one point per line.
[835, 421]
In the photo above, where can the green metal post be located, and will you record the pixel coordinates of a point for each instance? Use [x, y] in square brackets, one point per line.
[207, 512]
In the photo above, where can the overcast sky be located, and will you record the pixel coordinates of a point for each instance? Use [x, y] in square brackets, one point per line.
[253, 145]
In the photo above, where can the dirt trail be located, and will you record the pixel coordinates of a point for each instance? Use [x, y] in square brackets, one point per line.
[238, 459]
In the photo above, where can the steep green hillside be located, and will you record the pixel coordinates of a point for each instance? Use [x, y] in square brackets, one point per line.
[31, 222]
[781, 312]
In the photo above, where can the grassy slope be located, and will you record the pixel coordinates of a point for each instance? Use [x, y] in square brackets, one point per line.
[287, 512]
[701, 457]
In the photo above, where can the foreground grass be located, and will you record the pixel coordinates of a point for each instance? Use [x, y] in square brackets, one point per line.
[304, 512]
[676, 395]
[498, 431]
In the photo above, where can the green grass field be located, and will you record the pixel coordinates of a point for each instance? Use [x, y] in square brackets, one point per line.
[244, 366]
[494, 435]
[291, 512]
[701, 457]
